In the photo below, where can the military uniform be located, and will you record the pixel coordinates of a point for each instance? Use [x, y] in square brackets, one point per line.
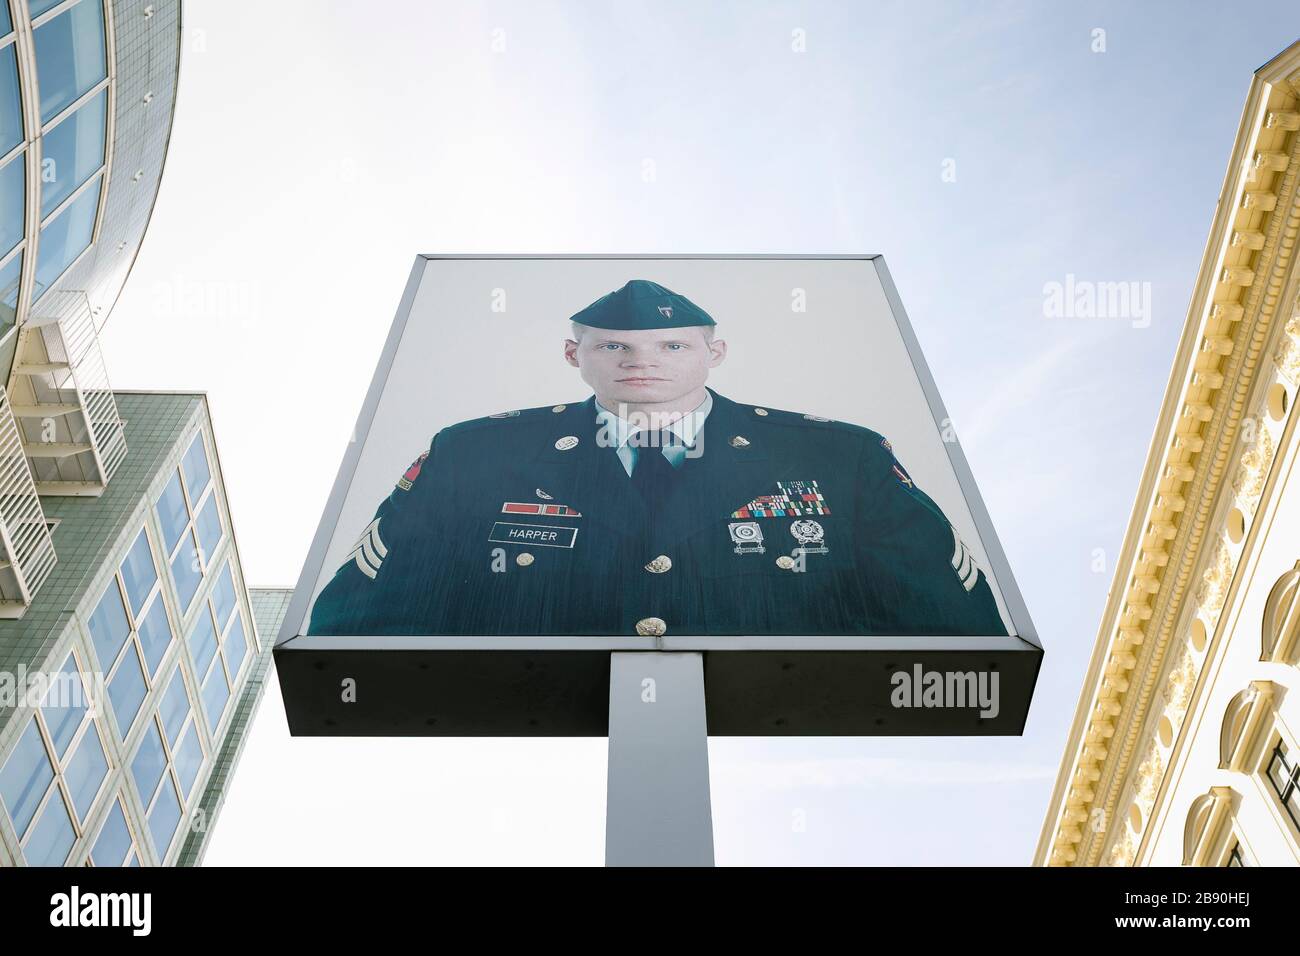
[776, 523]
[737, 519]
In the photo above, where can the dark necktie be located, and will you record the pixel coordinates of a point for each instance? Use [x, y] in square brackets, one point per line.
[652, 473]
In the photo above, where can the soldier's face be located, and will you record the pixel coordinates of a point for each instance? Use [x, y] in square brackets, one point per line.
[641, 367]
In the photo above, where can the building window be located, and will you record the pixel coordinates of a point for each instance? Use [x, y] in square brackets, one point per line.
[66, 236]
[53, 777]
[115, 846]
[131, 633]
[11, 274]
[13, 196]
[11, 113]
[70, 56]
[6, 25]
[36, 7]
[73, 151]
[191, 522]
[219, 644]
[1284, 775]
[167, 765]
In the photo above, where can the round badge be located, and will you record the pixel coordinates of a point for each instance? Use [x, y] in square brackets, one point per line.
[740, 441]
[760, 411]
[660, 564]
[785, 562]
[651, 626]
[567, 442]
[523, 559]
[559, 408]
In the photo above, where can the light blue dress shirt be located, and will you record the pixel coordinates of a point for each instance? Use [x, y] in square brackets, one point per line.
[621, 431]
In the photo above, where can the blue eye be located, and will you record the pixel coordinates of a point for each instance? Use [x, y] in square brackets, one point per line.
[609, 345]
[676, 345]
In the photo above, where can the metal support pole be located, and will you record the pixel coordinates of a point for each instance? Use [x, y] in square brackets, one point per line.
[657, 810]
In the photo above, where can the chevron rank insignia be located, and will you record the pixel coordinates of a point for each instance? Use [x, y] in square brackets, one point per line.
[963, 562]
[369, 551]
[412, 473]
[901, 474]
[792, 499]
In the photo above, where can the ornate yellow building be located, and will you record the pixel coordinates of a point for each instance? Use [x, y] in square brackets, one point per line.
[1185, 747]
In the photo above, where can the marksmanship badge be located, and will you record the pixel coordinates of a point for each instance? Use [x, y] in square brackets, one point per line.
[747, 537]
[810, 536]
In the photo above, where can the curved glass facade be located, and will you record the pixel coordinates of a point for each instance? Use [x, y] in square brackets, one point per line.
[68, 84]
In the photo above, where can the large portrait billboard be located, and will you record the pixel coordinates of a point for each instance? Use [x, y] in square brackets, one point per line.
[704, 452]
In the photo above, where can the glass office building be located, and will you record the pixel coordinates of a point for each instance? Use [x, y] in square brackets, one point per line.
[87, 89]
[150, 661]
[130, 662]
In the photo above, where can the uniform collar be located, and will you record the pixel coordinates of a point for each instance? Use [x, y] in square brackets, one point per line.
[685, 428]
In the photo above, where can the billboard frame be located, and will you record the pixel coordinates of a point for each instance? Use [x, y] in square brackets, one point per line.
[558, 686]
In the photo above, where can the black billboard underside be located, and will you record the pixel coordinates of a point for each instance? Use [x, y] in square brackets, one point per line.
[530, 691]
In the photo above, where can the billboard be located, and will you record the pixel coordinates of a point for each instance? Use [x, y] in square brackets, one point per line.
[564, 456]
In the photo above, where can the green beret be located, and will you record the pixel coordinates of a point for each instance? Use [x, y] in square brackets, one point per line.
[642, 305]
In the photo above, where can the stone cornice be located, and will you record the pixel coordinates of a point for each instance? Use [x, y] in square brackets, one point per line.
[1179, 558]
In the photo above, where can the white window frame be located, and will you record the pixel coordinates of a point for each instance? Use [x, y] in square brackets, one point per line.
[133, 620]
[59, 785]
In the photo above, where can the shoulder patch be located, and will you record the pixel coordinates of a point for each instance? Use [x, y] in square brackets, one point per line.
[409, 476]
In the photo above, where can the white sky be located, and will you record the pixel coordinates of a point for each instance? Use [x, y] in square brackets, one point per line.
[319, 146]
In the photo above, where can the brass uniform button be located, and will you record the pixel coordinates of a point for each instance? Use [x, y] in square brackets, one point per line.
[651, 627]
[760, 411]
[660, 564]
[523, 559]
[559, 408]
[740, 441]
[785, 562]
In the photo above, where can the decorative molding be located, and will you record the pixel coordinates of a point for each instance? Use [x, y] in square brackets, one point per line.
[1180, 558]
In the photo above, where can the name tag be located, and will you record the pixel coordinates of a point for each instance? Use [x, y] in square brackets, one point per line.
[546, 536]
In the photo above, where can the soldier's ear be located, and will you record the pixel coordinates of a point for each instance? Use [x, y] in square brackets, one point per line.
[571, 352]
[717, 352]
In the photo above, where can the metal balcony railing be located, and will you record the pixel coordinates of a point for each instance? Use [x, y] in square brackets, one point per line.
[62, 400]
[26, 548]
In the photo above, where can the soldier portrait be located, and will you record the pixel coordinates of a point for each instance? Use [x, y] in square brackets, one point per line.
[647, 501]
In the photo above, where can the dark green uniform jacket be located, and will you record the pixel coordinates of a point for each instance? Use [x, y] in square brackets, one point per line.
[778, 523]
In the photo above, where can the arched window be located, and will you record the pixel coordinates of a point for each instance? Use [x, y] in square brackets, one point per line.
[1281, 625]
[1246, 714]
[1205, 830]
